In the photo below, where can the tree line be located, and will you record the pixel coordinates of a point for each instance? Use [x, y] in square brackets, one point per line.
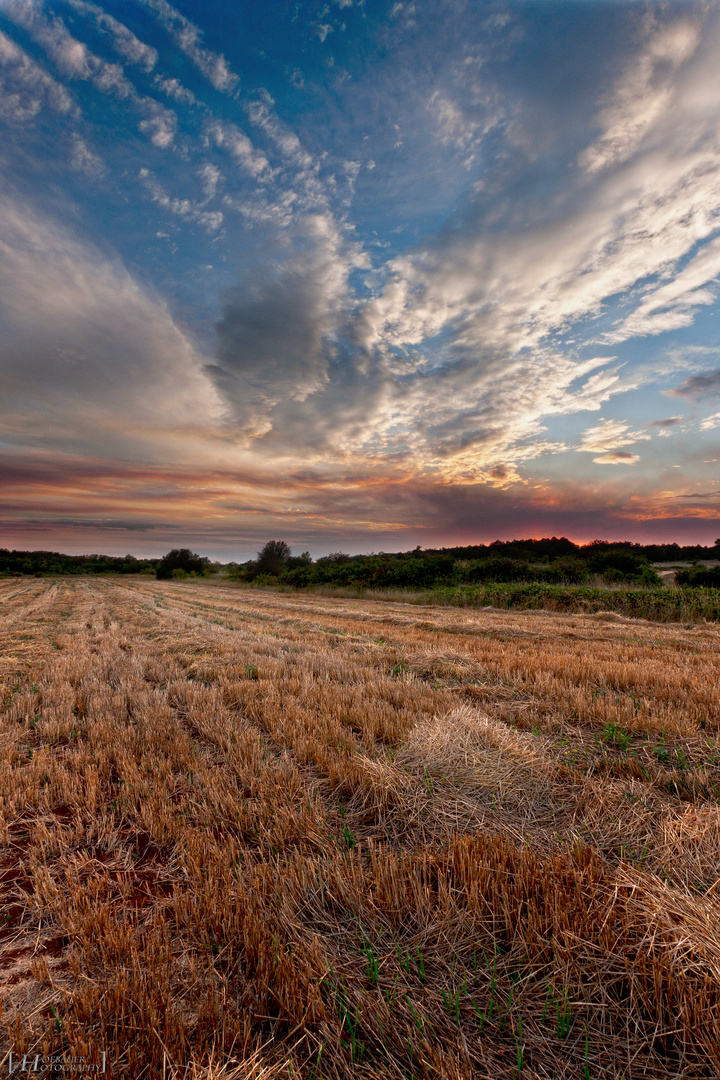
[550, 560]
[180, 562]
[55, 562]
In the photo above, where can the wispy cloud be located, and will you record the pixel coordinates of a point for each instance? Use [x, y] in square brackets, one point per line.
[188, 37]
[643, 93]
[409, 307]
[262, 113]
[130, 47]
[321, 30]
[210, 177]
[606, 438]
[463, 125]
[229, 137]
[26, 87]
[675, 303]
[84, 159]
[174, 89]
[72, 57]
[211, 220]
[76, 61]
[498, 299]
[86, 353]
[617, 457]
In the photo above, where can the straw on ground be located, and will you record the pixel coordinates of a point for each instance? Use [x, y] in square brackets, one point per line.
[254, 835]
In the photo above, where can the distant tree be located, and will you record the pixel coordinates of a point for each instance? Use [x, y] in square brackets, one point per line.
[295, 561]
[273, 557]
[707, 577]
[181, 559]
[335, 557]
[618, 563]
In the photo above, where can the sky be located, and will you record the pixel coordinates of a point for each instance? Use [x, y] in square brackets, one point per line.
[359, 274]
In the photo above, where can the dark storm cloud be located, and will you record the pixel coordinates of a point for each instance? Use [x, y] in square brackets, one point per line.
[270, 345]
[699, 386]
[275, 335]
[668, 422]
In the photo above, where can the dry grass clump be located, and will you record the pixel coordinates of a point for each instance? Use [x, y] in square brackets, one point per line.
[251, 835]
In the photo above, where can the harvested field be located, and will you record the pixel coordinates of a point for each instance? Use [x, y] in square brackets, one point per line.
[249, 834]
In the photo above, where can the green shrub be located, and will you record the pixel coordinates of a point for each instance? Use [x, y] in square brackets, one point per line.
[699, 576]
[181, 559]
[619, 564]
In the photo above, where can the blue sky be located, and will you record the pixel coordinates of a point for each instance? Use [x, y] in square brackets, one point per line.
[358, 274]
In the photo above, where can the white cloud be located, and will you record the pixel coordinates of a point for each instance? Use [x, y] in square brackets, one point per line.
[160, 124]
[84, 159]
[123, 40]
[210, 220]
[643, 94]
[229, 137]
[257, 208]
[263, 115]
[26, 87]
[461, 128]
[86, 353]
[455, 361]
[617, 457]
[498, 296]
[174, 89]
[306, 184]
[188, 37]
[71, 56]
[76, 61]
[322, 30]
[608, 436]
[403, 10]
[675, 303]
[709, 422]
[210, 177]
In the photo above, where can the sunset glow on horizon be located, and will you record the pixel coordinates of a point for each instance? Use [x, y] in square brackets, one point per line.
[358, 275]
